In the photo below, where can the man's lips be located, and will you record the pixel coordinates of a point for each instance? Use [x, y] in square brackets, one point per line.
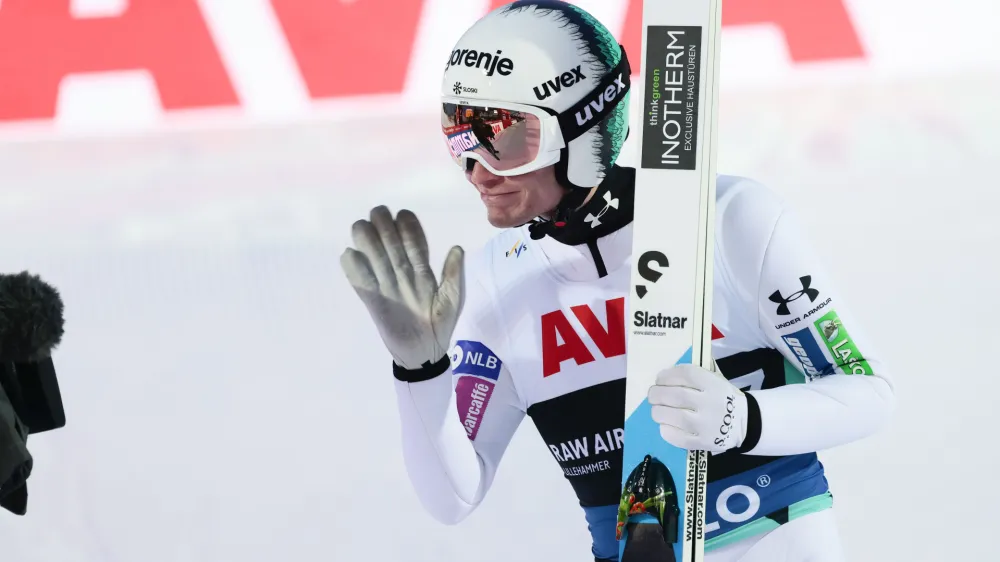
[495, 197]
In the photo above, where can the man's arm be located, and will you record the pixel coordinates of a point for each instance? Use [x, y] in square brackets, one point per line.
[457, 424]
[456, 420]
[849, 393]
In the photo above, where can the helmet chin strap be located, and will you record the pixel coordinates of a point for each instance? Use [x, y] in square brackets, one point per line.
[550, 215]
[584, 215]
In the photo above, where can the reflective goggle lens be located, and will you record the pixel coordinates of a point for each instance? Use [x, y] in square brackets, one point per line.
[504, 139]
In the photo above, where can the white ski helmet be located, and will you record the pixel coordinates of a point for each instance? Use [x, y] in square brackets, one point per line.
[542, 74]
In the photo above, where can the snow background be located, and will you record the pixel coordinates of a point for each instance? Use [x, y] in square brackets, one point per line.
[228, 398]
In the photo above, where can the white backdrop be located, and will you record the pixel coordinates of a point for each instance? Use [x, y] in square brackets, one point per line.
[229, 400]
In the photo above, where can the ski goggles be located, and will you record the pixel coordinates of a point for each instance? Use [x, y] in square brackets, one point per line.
[509, 139]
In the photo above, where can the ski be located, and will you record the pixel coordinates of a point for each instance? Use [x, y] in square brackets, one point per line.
[661, 515]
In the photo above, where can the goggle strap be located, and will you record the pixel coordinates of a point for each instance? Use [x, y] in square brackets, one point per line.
[595, 106]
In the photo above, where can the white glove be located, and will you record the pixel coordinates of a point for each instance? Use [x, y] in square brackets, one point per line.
[698, 409]
[391, 274]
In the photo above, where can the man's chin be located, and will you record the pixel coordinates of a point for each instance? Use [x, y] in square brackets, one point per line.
[500, 219]
[500, 222]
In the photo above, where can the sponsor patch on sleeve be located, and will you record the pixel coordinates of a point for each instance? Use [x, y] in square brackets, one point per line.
[807, 351]
[474, 358]
[478, 370]
[472, 395]
[845, 353]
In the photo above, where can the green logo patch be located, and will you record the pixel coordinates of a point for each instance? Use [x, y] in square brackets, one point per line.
[838, 341]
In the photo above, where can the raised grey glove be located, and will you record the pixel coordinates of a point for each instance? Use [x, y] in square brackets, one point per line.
[391, 273]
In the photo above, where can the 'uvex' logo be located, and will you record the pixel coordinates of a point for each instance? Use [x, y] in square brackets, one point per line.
[606, 97]
[564, 80]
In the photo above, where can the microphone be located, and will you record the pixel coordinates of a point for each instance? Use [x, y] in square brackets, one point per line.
[31, 318]
[31, 326]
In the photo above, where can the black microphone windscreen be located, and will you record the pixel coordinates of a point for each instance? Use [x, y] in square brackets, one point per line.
[31, 318]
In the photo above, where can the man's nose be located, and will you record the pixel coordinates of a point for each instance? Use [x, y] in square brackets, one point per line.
[482, 177]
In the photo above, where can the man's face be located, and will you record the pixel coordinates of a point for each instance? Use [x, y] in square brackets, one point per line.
[514, 200]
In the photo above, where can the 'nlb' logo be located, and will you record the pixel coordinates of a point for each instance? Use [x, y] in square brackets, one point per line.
[477, 369]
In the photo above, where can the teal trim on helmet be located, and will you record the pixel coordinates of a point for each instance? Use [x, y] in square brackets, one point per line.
[604, 50]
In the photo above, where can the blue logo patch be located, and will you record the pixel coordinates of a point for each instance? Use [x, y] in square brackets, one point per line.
[807, 351]
[744, 498]
[516, 249]
[474, 358]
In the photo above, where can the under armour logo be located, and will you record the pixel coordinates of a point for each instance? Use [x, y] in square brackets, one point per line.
[609, 203]
[783, 302]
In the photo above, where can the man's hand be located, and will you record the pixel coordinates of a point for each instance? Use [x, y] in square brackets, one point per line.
[391, 274]
[698, 409]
